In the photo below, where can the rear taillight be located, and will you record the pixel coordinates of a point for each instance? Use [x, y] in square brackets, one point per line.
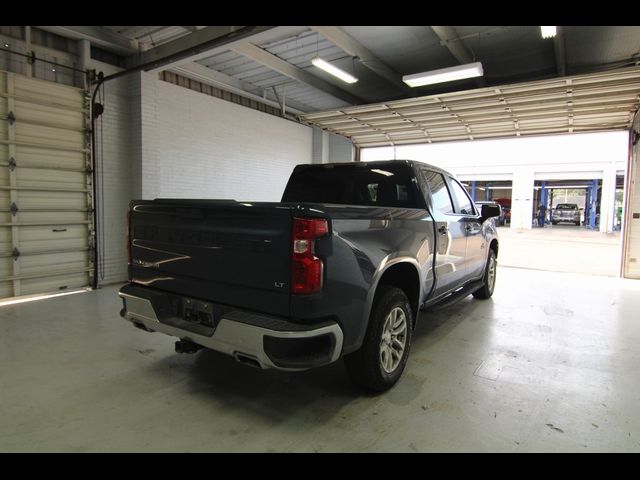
[129, 236]
[306, 268]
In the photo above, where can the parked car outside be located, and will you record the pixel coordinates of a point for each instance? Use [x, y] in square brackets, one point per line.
[566, 212]
[505, 203]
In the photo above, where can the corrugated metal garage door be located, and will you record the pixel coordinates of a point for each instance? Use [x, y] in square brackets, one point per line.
[45, 187]
[581, 103]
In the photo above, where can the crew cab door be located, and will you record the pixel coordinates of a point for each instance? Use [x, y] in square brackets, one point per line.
[451, 238]
[476, 252]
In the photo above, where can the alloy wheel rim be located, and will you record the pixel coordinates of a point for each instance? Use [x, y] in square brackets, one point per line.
[394, 340]
[492, 274]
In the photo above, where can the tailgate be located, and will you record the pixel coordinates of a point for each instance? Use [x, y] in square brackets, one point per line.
[226, 252]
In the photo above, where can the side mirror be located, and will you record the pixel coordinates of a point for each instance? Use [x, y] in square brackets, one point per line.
[489, 211]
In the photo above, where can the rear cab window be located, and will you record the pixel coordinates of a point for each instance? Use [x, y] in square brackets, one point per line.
[354, 184]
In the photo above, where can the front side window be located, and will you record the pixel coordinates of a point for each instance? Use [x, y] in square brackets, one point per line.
[465, 206]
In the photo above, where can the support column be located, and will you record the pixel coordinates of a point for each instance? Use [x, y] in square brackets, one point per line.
[587, 208]
[522, 198]
[608, 199]
[543, 195]
[84, 56]
[593, 205]
[319, 146]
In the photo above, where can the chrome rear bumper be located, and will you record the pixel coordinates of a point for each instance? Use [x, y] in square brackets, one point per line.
[265, 341]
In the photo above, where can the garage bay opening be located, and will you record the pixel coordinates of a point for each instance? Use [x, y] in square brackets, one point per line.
[561, 196]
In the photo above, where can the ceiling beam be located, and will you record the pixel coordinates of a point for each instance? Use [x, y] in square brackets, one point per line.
[207, 42]
[267, 59]
[558, 47]
[192, 47]
[449, 38]
[221, 80]
[366, 57]
[98, 36]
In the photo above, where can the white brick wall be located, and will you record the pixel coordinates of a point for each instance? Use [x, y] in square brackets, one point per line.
[198, 146]
[162, 140]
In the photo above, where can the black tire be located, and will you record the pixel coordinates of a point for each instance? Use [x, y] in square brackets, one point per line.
[577, 224]
[365, 366]
[489, 282]
[554, 223]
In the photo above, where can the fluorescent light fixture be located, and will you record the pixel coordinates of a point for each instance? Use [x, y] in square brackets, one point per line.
[459, 72]
[548, 32]
[335, 71]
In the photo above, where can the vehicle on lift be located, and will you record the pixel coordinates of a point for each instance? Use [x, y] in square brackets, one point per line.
[501, 219]
[339, 268]
[566, 212]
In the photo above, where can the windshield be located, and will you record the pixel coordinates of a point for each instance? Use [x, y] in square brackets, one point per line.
[567, 206]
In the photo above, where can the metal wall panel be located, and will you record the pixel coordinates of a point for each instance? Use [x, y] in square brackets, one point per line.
[46, 223]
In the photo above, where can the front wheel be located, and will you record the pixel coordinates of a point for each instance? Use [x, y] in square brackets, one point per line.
[379, 363]
[489, 278]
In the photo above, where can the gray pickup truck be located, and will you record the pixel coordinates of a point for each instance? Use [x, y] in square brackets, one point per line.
[339, 268]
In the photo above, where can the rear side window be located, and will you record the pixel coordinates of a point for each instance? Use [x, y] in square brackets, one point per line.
[388, 186]
[440, 197]
[465, 206]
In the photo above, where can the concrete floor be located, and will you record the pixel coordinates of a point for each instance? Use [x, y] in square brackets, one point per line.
[549, 364]
[561, 248]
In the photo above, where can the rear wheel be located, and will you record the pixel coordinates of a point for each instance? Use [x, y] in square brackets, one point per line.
[554, 223]
[379, 363]
[489, 278]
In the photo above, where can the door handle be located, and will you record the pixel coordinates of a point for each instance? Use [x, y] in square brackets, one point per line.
[443, 230]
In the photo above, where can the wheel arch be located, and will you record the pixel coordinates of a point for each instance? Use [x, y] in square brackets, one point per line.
[494, 246]
[405, 275]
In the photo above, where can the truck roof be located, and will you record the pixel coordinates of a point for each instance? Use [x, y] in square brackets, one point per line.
[374, 163]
